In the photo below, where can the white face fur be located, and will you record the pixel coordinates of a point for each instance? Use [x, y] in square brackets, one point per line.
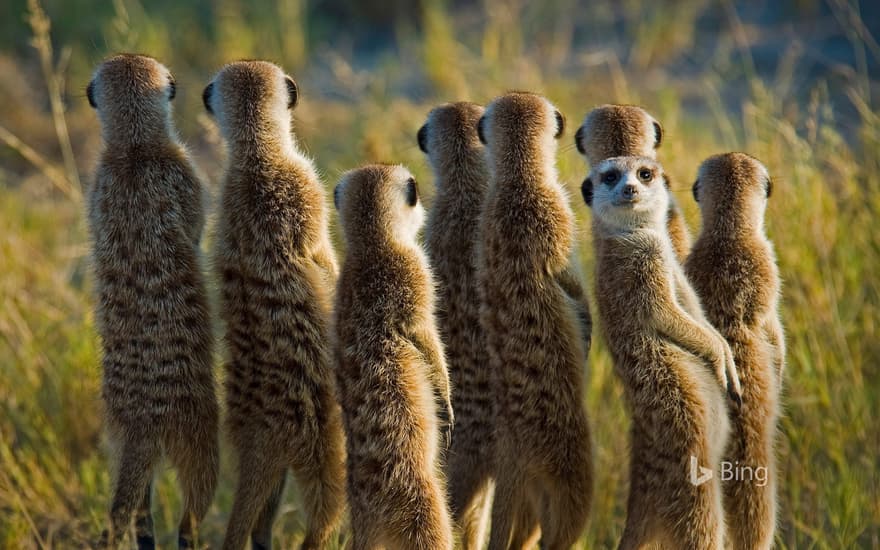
[628, 193]
[401, 200]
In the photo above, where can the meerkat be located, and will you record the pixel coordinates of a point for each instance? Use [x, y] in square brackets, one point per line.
[533, 330]
[673, 364]
[276, 270]
[145, 218]
[449, 139]
[393, 381]
[733, 269]
[630, 131]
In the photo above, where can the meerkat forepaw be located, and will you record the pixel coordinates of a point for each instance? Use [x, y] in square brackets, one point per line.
[447, 418]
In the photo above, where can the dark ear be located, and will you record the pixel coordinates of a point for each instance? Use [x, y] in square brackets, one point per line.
[768, 187]
[696, 190]
[172, 90]
[587, 191]
[336, 197]
[481, 133]
[412, 192]
[293, 95]
[658, 134]
[90, 93]
[206, 97]
[422, 138]
[578, 141]
[560, 125]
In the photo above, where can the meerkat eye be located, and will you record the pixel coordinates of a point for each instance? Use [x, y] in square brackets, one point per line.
[172, 89]
[560, 125]
[610, 177]
[768, 187]
[90, 93]
[412, 192]
[646, 175]
[422, 138]
[658, 134]
[292, 92]
[206, 97]
[696, 190]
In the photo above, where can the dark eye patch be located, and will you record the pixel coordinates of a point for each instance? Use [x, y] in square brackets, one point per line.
[610, 177]
[206, 97]
[412, 192]
[646, 175]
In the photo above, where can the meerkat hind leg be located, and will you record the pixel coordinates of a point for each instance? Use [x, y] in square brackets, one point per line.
[143, 522]
[261, 535]
[136, 461]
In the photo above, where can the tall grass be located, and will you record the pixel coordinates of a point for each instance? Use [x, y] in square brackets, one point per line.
[53, 474]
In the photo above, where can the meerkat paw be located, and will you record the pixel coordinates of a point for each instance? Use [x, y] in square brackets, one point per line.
[447, 419]
[730, 376]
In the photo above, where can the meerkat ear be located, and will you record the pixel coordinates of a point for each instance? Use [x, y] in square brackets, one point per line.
[696, 191]
[206, 97]
[768, 187]
[481, 133]
[560, 124]
[578, 141]
[587, 191]
[658, 134]
[412, 192]
[422, 138]
[90, 93]
[336, 197]
[172, 90]
[291, 92]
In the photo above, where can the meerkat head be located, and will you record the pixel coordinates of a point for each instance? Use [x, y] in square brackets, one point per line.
[516, 124]
[132, 95]
[618, 131]
[449, 137]
[251, 98]
[732, 185]
[379, 202]
[627, 192]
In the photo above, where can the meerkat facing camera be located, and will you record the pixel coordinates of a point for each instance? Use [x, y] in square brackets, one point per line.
[276, 269]
[533, 332]
[673, 364]
[733, 270]
[630, 131]
[391, 366]
[449, 139]
[145, 219]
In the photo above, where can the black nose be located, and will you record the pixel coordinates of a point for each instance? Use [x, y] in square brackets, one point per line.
[630, 191]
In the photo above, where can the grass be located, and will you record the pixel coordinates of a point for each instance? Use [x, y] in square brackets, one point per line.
[818, 137]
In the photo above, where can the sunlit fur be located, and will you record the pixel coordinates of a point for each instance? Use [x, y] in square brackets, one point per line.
[145, 218]
[391, 368]
[630, 131]
[733, 269]
[276, 270]
[534, 332]
[665, 353]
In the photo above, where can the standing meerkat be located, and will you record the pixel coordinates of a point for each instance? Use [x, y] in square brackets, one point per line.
[533, 331]
[673, 364]
[733, 270]
[449, 139]
[391, 368]
[145, 218]
[630, 131]
[276, 269]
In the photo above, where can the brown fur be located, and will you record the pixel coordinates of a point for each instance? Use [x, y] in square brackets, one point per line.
[277, 270]
[449, 138]
[665, 352]
[391, 369]
[630, 131]
[534, 335]
[145, 217]
[733, 270]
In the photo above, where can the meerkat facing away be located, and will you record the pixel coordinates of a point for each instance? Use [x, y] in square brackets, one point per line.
[733, 270]
[670, 361]
[276, 269]
[534, 337]
[391, 366]
[630, 131]
[449, 139]
[145, 219]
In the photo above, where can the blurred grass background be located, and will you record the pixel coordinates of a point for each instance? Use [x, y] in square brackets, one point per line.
[794, 83]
